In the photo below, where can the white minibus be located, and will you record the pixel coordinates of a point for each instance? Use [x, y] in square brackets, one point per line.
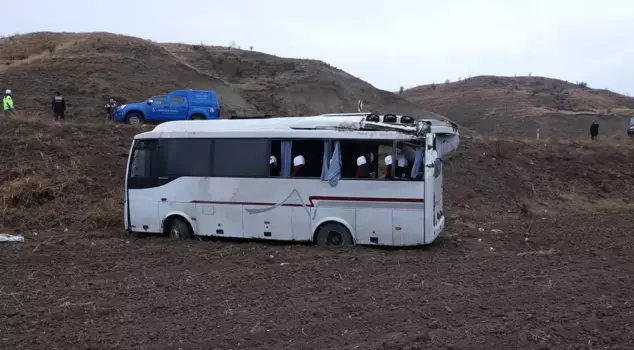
[333, 179]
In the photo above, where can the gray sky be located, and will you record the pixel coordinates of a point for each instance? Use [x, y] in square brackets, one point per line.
[387, 43]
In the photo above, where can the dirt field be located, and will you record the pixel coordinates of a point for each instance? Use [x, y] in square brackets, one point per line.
[565, 288]
[537, 255]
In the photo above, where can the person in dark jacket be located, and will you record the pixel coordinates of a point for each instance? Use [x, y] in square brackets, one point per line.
[59, 106]
[594, 130]
[111, 107]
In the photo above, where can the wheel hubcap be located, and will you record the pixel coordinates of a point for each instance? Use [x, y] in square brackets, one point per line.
[334, 238]
[175, 233]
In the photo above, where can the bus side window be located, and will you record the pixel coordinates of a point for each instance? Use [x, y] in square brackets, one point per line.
[241, 158]
[311, 154]
[386, 162]
[275, 159]
[144, 157]
[360, 159]
[409, 155]
[187, 157]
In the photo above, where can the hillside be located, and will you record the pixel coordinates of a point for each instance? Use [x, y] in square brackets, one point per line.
[530, 247]
[518, 106]
[90, 68]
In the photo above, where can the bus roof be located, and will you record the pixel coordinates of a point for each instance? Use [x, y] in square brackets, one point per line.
[327, 126]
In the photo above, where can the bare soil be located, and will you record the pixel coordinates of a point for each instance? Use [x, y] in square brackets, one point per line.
[563, 288]
[518, 106]
[90, 68]
[537, 255]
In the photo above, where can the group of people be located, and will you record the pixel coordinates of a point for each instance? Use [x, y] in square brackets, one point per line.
[363, 169]
[58, 105]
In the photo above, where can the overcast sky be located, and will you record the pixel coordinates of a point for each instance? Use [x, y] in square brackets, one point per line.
[387, 43]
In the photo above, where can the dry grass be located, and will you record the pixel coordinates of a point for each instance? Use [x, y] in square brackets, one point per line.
[518, 106]
[61, 174]
[540, 178]
[98, 66]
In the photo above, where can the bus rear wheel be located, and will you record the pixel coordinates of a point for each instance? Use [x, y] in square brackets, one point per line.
[179, 229]
[333, 234]
[197, 117]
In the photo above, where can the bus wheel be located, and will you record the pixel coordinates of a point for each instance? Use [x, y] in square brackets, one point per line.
[179, 229]
[197, 117]
[333, 234]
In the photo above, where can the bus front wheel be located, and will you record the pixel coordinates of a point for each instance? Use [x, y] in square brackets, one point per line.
[333, 234]
[179, 229]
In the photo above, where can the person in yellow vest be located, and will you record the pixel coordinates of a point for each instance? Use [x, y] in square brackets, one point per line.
[7, 102]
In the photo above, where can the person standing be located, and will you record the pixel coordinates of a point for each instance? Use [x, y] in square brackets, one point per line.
[7, 102]
[110, 107]
[59, 106]
[594, 130]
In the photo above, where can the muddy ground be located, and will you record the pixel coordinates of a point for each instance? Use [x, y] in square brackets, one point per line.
[537, 255]
[560, 289]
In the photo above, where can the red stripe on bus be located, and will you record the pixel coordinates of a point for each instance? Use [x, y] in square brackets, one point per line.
[321, 198]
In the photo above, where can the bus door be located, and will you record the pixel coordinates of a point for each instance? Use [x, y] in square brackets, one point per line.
[142, 179]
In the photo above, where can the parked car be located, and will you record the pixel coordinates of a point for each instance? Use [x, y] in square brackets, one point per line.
[630, 129]
[176, 105]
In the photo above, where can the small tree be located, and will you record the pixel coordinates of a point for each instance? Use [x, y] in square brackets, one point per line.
[401, 89]
[582, 84]
[251, 48]
[530, 74]
[433, 86]
[447, 81]
[233, 44]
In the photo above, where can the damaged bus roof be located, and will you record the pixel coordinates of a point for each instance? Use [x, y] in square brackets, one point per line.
[327, 126]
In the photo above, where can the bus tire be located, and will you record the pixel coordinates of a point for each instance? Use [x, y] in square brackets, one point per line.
[333, 234]
[197, 117]
[179, 229]
[134, 118]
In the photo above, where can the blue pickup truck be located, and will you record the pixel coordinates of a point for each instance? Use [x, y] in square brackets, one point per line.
[176, 105]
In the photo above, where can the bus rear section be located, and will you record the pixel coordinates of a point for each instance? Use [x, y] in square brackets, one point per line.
[322, 187]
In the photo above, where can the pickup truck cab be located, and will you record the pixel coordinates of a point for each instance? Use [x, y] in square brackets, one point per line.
[176, 105]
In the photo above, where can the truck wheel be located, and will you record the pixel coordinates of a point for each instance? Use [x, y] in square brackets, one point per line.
[134, 119]
[333, 234]
[179, 229]
[197, 117]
